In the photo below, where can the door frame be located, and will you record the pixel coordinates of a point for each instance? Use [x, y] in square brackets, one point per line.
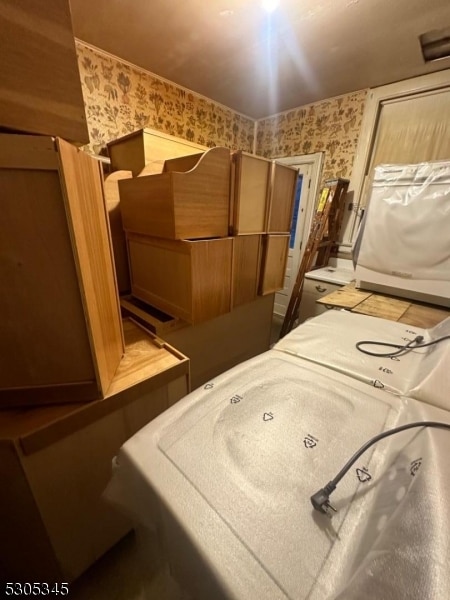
[315, 161]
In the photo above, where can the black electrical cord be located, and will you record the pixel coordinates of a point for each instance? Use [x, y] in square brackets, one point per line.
[321, 499]
[418, 341]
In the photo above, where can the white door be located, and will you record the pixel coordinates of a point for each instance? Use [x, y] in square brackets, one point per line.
[309, 169]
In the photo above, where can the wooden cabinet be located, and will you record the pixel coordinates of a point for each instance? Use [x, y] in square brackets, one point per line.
[61, 334]
[148, 148]
[273, 264]
[283, 183]
[190, 199]
[189, 279]
[250, 188]
[40, 88]
[56, 461]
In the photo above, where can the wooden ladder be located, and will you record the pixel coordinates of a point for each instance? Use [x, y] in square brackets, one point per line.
[322, 238]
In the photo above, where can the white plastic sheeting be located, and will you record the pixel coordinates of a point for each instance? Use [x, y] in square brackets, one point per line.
[404, 242]
[225, 476]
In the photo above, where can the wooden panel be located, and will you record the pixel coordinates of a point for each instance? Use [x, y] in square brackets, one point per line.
[281, 198]
[43, 338]
[273, 268]
[40, 88]
[27, 152]
[347, 297]
[160, 273]
[187, 279]
[251, 186]
[178, 205]
[246, 267]
[221, 343]
[119, 243]
[26, 551]
[382, 306]
[148, 148]
[68, 479]
[420, 315]
[211, 278]
[88, 220]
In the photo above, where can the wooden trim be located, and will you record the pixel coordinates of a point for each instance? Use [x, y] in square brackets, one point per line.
[76, 391]
[28, 152]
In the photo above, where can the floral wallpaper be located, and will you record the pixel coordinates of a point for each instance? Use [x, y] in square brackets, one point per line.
[121, 98]
[331, 126]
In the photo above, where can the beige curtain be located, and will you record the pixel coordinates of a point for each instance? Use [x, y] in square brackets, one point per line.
[410, 130]
[414, 129]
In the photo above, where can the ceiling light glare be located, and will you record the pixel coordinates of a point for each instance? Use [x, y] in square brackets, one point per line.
[270, 5]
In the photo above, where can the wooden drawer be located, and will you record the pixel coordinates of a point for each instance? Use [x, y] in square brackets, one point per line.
[40, 80]
[283, 183]
[273, 264]
[61, 333]
[250, 187]
[180, 204]
[246, 267]
[148, 148]
[189, 279]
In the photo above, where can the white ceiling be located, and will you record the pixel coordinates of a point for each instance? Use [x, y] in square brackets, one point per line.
[259, 64]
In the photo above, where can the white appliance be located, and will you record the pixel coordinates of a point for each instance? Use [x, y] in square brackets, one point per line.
[403, 247]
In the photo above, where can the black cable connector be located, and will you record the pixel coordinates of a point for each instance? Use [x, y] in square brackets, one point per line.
[321, 499]
[417, 342]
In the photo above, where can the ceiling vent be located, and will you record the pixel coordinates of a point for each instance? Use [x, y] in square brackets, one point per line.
[435, 44]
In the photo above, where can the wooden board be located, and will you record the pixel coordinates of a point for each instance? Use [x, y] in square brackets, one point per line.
[40, 88]
[188, 279]
[251, 176]
[180, 205]
[221, 343]
[382, 306]
[420, 315]
[283, 183]
[119, 243]
[246, 267]
[347, 297]
[86, 211]
[148, 148]
[386, 307]
[273, 263]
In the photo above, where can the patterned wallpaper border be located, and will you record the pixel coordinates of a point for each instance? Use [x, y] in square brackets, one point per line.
[331, 126]
[121, 98]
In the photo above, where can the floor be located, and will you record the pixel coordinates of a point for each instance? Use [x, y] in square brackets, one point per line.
[120, 574]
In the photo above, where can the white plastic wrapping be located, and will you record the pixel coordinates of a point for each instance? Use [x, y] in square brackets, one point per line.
[330, 339]
[226, 476]
[407, 222]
